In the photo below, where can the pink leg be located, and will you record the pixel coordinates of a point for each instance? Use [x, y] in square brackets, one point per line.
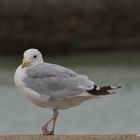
[53, 120]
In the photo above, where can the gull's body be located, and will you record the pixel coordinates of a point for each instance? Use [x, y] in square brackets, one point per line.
[53, 86]
[57, 97]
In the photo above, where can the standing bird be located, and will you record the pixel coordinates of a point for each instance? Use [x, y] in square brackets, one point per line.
[53, 86]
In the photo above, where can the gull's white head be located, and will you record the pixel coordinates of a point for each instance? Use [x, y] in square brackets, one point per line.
[31, 56]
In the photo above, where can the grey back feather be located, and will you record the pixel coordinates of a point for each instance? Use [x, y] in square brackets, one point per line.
[56, 81]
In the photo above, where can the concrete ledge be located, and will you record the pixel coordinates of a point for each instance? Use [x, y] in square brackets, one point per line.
[71, 137]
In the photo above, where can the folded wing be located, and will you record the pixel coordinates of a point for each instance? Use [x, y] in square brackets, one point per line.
[56, 81]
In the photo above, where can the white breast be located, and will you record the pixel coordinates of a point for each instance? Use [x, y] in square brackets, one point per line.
[33, 96]
[19, 75]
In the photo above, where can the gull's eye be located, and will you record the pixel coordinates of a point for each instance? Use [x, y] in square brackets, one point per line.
[35, 56]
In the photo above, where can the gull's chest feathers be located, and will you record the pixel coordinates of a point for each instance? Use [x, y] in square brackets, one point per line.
[20, 74]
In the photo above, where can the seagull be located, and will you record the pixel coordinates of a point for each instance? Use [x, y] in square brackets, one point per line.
[53, 86]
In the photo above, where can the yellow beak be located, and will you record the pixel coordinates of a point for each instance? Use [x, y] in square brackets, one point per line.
[25, 63]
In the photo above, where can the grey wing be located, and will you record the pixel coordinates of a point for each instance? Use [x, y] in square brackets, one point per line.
[56, 81]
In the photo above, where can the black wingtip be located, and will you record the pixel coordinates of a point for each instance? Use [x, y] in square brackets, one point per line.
[103, 90]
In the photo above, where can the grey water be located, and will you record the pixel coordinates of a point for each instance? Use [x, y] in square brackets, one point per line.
[116, 113]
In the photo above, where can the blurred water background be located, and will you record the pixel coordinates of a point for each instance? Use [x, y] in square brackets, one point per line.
[94, 37]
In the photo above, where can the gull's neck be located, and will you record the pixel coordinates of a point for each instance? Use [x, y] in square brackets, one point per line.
[32, 64]
[36, 63]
